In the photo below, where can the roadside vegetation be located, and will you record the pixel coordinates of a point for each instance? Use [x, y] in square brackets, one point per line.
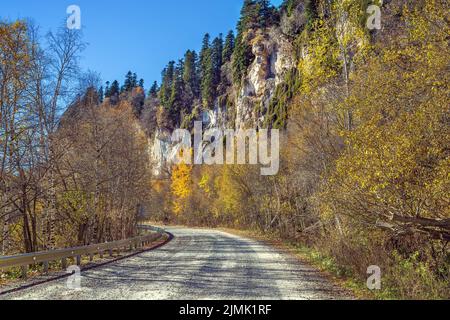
[364, 116]
[70, 175]
[365, 158]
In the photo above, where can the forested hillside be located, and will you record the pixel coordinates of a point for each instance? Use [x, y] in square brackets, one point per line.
[365, 154]
[68, 180]
[364, 176]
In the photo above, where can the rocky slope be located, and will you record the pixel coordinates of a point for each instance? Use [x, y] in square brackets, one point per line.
[273, 59]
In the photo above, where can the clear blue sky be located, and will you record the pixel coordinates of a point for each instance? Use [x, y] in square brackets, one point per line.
[137, 35]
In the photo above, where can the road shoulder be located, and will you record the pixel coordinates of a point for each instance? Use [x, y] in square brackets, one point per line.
[341, 283]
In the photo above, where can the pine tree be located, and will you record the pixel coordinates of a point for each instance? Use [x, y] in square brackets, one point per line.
[115, 88]
[134, 81]
[100, 94]
[289, 6]
[162, 95]
[153, 92]
[166, 85]
[257, 14]
[216, 56]
[265, 13]
[190, 77]
[228, 47]
[204, 53]
[243, 55]
[208, 81]
[131, 82]
[176, 104]
[107, 90]
[128, 84]
[206, 72]
[249, 16]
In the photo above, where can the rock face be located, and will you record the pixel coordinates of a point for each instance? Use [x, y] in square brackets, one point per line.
[273, 59]
[161, 151]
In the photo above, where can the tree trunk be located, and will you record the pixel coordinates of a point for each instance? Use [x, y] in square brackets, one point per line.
[5, 234]
[51, 213]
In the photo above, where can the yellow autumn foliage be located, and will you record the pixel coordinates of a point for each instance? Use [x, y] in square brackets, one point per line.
[395, 165]
[181, 187]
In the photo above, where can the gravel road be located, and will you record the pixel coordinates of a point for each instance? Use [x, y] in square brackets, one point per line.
[196, 265]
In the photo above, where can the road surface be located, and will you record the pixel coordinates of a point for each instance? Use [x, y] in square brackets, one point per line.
[196, 265]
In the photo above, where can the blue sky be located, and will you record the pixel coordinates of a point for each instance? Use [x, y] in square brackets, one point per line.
[137, 35]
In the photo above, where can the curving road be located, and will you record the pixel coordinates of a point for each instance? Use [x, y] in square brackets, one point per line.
[196, 265]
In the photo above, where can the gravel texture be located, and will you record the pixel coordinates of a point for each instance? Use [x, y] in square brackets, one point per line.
[196, 265]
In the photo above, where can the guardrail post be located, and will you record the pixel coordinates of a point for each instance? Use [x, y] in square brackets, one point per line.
[24, 270]
[64, 263]
[91, 257]
[78, 260]
[101, 254]
[110, 253]
[46, 267]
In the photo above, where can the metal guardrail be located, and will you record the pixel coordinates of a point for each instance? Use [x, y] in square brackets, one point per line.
[25, 260]
[152, 228]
